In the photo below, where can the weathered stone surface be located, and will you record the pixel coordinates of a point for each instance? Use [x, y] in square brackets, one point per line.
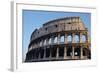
[43, 47]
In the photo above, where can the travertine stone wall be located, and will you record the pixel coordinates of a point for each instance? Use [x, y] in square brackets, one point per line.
[46, 42]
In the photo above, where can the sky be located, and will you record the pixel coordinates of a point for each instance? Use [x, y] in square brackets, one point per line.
[33, 19]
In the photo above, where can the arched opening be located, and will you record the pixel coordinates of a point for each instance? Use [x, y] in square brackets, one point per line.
[85, 51]
[40, 43]
[29, 56]
[69, 39]
[33, 54]
[41, 53]
[69, 51]
[47, 52]
[44, 42]
[37, 53]
[83, 38]
[77, 51]
[76, 38]
[89, 55]
[61, 51]
[62, 40]
[49, 40]
[55, 40]
[53, 51]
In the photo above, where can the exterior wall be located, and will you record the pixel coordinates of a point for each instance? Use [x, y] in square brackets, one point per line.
[40, 45]
[59, 25]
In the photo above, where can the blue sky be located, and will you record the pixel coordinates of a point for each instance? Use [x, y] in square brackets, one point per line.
[34, 19]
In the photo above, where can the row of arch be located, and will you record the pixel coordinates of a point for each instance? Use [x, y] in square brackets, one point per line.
[62, 39]
[69, 39]
[51, 52]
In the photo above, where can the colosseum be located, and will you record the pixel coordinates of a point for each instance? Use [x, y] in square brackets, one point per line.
[60, 39]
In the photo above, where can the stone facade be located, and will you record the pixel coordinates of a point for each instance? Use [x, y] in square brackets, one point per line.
[60, 39]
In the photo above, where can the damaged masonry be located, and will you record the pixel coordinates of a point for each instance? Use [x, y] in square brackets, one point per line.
[58, 40]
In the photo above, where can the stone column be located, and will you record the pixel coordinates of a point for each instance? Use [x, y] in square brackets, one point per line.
[47, 41]
[44, 53]
[42, 42]
[34, 53]
[57, 53]
[52, 40]
[58, 42]
[58, 39]
[73, 40]
[65, 38]
[33, 45]
[50, 54]
[72, 52]
[81, 52]
[65, 52]
[87, 37]
[39, 54]
[37, 45]
[80, 38]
